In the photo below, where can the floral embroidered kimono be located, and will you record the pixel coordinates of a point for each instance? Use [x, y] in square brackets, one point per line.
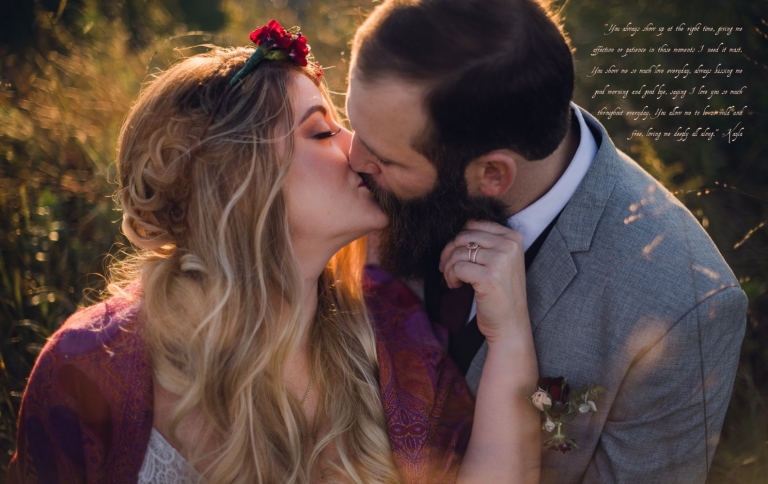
[86, 415]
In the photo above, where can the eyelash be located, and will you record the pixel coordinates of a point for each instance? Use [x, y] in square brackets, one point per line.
[327, 134]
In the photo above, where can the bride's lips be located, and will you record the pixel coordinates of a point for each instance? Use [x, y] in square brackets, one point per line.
[362, 183]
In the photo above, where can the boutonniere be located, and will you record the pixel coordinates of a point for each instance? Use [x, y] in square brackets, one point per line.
[559, 406]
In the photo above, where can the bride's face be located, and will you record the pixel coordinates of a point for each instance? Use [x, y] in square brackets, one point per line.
[328, 206]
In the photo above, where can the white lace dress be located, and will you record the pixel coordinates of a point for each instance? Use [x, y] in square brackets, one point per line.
[164, 465]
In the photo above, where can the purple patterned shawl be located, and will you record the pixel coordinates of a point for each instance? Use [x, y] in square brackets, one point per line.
[86, 415]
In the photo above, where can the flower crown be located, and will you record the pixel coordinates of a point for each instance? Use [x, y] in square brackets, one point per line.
[273, 42]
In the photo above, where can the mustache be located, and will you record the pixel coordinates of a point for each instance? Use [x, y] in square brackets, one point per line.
[387, 200]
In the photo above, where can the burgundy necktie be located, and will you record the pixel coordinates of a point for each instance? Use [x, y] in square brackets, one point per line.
[455, 305]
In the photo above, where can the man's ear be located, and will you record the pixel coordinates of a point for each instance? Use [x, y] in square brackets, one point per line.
[491, 174]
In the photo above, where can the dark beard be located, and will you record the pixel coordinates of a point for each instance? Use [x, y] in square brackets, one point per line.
[419, 229]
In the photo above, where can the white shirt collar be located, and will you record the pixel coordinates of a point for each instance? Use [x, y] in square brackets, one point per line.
[532, 220]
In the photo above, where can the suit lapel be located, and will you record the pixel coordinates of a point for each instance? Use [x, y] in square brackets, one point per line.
[549, 275]
[554, 268]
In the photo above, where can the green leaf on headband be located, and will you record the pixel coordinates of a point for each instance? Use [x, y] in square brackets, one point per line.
[276, 54]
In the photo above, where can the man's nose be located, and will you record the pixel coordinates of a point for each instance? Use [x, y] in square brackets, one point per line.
[361, 160]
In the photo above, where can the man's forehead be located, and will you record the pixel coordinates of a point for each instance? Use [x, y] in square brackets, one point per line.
[394, 91]
[388, 114]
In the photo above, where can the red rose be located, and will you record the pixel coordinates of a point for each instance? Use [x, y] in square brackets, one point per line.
[299, 50]
[557, 388]
[274, 34]
[559, 391]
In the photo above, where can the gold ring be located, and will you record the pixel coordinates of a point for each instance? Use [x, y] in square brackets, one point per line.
[474, 248]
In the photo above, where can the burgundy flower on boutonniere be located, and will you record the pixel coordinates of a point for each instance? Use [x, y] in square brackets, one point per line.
[558, 390]
[558, 406]
[273, 33]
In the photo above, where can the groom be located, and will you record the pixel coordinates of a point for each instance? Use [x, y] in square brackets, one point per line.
[462, 110]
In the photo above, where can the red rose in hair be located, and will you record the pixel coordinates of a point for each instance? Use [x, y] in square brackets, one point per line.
[299, 50]
[274, 33]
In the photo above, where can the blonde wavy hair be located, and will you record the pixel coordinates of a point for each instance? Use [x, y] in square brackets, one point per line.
[221, 287]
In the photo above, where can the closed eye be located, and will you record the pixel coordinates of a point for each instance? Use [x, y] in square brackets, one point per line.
[326, 134]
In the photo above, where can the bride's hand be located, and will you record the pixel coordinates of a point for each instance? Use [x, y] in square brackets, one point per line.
[497, 276]
[505, 443]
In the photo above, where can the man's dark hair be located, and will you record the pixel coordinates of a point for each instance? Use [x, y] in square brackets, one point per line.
[499, 74]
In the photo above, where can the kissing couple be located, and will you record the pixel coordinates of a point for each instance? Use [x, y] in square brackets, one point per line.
[246, 340]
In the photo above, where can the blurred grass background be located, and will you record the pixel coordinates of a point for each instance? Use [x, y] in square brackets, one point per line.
[69, 70]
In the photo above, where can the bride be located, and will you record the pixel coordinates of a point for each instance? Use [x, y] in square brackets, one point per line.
[237, 345]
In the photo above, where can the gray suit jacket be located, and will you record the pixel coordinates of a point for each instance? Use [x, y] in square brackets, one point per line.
[628, 291]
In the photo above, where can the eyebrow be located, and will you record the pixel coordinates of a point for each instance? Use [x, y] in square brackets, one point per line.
[317, 108]
[374, 153]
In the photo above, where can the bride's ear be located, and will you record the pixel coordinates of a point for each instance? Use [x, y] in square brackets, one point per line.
[491, 174]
